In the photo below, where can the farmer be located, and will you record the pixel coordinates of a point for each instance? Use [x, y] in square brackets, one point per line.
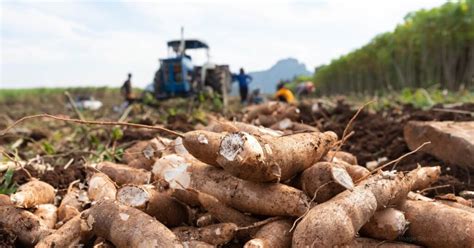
[304, 89]
[244, 81]
[284, 94]
[255, 97]
[126, 89]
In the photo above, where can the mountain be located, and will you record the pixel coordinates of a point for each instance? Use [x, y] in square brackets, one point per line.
[285, 69]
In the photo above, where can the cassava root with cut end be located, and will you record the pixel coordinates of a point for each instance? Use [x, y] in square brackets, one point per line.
[172, 162]
[203, 145]
[48, 213]
[101, 187]
[72, 204]
[324, 180]
[33, 193]
[163, 207]
[205, 220]
[284, 111]
[357, 172]
[143, 154]
[433, 224]
[26, 226]
[217, 234]
[123, 174]
[341, 156]
[249, 197]
[260, 159]
[275, 234]
[426, 177]
[254, 111]
[337, 221]
[128, 227]
[387, 224]
[73, 233]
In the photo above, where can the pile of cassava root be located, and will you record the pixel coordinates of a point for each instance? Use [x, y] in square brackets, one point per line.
[267, 181]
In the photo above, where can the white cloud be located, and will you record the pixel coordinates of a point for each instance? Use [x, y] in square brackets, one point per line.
[98, 43]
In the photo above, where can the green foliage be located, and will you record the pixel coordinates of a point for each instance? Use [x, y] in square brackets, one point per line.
[117, 133]
[217, 103]
[7, 185]
[149, 99]
[420, 98]
[48, 148]
[200, 115]
[431, 47]
[104, 153]
[297, 80]
[172, 111]
[210, 100]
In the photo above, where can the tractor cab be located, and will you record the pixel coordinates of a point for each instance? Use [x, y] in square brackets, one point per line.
[178, 76]
[177, 72]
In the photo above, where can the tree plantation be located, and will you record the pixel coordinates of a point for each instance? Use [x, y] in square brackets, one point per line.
[432, 47]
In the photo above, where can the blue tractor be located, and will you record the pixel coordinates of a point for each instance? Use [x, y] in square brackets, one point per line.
[179, 77]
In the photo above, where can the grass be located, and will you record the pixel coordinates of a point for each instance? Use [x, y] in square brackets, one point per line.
[21, 102]
[419, 98]
[22, 94]
[7, 186]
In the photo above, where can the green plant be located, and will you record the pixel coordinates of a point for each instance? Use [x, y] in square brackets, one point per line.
[117, 133]
[7, 186]
[48, 148]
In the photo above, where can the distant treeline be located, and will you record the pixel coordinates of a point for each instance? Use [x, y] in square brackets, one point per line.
[431, 47]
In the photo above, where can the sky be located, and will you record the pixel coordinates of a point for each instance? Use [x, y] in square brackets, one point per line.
[96, 43]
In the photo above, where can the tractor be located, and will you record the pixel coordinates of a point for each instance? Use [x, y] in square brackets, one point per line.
[179, 77]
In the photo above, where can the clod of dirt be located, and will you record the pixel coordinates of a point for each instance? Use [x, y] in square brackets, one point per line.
[452, 142]
[59, 178]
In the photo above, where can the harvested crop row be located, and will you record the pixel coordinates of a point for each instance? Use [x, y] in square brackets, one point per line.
[337, 221]
[249, 197]
[259, 159]
[234, 184]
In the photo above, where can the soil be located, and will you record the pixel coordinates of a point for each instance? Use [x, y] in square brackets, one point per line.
[59, 177]
[380, 134]
[180, 122]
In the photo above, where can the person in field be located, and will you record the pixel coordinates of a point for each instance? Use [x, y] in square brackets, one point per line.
[244, 81]
[126, 89]
[284, 94]
[255, 97]
[305, 89]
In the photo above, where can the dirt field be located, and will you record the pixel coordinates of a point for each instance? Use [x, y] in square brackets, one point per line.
[56, 152]
[377, 134]
[380, 134]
